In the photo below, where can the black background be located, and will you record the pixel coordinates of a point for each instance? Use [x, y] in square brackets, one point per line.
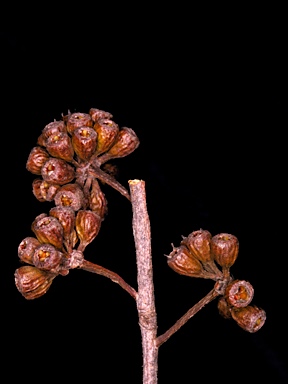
[207, 100]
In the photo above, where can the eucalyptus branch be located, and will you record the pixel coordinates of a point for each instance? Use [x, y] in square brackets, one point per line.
[94, 268]
[145, 300]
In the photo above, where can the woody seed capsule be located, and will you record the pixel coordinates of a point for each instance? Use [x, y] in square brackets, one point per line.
[59, 145]
[250, 318]
[36, 159]
[31, 282]
[224, 308]
[98, 114]
[198, 242]
[184, 263]
[125, 143]
[78, 119]
[84, 141]
[98, 202]
[225, 248]
[87, 227]
[48, 230]
[107, 131]
[27, 248]
[48, 190]
[57, 171]
[70, 195]
[239, 293]
[53, 128]
[66, 217]
[36, 189]
[46, 257]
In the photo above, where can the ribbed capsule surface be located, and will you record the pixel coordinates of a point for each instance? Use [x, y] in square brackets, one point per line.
[84, 141]
[70, 195]
[199, 244]
[36, 159]
[78, 119]
[225, 248]
[31, 282]
[48, 230]
[57, 171]
[250, 318]
[182, 262]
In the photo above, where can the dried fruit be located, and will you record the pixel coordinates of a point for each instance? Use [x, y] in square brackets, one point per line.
[224, 308]
[87, 227]
[48, 230]
[48, 190]
[198, 242]
[78, 119]
[53, 128]
[225, 248]
[125, 143]
[59, 145]
[239, 293]
[98, 114]
[47, 257]
[184, 263]
[36, 189]
[31, 282]
[27, 248]
[36, 159]
[250, 318]
[57, 171]
[84, 141]
[98, 202]
[70, 195]
[107, 131]
[66, 217]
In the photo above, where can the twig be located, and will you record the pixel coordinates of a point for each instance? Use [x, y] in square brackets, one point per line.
[145, 299]
[190, 313]
[91, 267]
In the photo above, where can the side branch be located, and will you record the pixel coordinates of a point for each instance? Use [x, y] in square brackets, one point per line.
[94, 268]
[190, 313]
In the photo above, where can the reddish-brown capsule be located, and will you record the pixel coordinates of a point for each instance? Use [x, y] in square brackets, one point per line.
[36, 159]
[48, 190]
[87, 226]
[31, 282]
[26, 249]
[78, 119]
[48, 230]
[84, 141]
[224, 308]
[225, 248]
[59, 145]
[198, 242]
[98, 114]
[53, 128]
[239, 293]
[184, 263]
[107, 131]
[66, 217]
[46, 257]
[70, 195]
[57, 171]
[98, 201]
[250, 318]
[125, 143]
[36, 189]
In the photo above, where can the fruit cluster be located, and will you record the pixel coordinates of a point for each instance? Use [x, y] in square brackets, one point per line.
[199, 255]
[67, 161]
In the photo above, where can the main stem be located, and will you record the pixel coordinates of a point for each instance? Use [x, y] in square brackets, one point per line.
[145, 299]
